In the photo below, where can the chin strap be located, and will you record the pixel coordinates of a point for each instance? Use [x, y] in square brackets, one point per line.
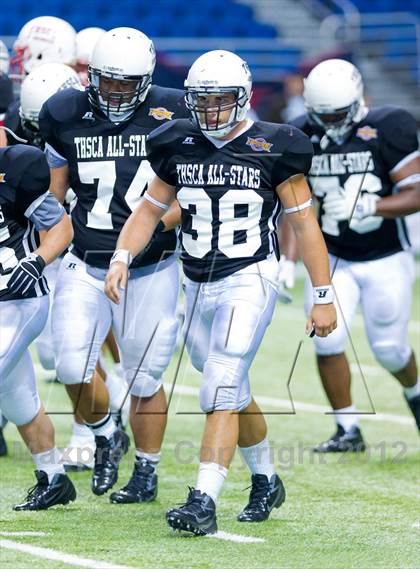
[15, 136]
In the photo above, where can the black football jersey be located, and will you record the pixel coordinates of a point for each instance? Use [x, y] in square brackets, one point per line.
[12, 121]
[108, 166]
[24, 177]
[376, 145]
[227, 195]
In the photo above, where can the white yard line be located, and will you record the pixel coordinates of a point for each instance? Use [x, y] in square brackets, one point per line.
[285, 404]
[24, 533]
[53, 555]
[235, 537]
[368, 369]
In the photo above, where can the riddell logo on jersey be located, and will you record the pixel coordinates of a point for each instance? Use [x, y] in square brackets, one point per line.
[259, 144]
[160, 114]
[367, 132]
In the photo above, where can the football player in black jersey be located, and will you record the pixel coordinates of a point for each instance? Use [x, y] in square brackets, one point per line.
[96, 142]
[27, 207]
[230, 177]
[366, 176]
[22, 119]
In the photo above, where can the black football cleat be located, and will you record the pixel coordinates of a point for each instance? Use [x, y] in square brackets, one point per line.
[44, 494]
[414, 405]
[108, 455]
[142, 486]
[343, 441]
[197, 515]
[3, 444]
[264, 496]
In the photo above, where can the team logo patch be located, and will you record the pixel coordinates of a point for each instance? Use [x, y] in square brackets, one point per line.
[2, 176]
[259, 144]
[367, 132]
[160, 114]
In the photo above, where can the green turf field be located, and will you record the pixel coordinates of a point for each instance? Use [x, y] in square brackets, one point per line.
[341, 512]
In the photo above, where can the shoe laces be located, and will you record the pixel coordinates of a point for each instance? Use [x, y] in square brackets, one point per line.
[141, 475]
[260, 491]
[36, 491]
[194, 501]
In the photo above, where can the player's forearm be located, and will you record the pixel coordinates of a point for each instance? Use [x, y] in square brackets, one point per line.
[59, 182]
[139, 228]
[56, 240]
[312, 248]
[172, 217]
[287, 240]
[398, 205]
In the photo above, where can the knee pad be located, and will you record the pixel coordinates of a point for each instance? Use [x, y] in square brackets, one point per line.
[145, 377]
[333, 344]
[20, 405]
[222, 387]
[144, 384]
[384, 310]
[392, 356]
[72, 370]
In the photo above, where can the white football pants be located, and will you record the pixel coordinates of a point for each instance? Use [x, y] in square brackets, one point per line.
[44, 342]
[224, 326]
[144, 323]
[20, 323]
[383, 287]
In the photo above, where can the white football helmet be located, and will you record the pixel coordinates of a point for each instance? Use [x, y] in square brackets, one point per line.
[44, 39]
[4, 59]
[39, 86]
[214, 73]
[125, 55]
[333, 94]
[85, 42]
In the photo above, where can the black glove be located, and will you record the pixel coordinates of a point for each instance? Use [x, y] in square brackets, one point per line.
[26, 274]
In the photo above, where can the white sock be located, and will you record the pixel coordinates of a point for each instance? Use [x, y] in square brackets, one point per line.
[258, 458]
[411, 392]
[49, 462]
[152, 458]
[105, 427]
[117, 390]
[347, 417]
[81, 431]
[210, 478]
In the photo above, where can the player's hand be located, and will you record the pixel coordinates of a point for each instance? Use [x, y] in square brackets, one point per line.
[339, 205]
[116, 280]
[323, 320]
[26, 274]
